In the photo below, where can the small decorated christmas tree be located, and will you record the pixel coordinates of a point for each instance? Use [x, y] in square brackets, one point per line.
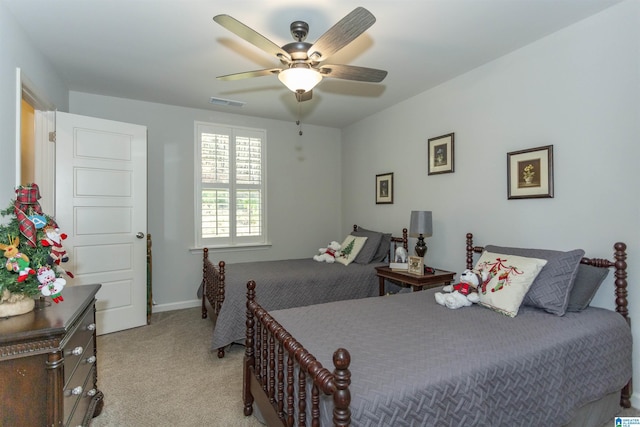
[32, 248]
[346, 251]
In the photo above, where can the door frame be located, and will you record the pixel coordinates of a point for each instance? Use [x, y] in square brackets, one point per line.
[44, 150]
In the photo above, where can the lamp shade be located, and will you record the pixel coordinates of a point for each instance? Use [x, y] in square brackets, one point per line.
[421, 224]
[300, 78]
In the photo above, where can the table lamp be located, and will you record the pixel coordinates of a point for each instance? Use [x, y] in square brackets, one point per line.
[421, 227]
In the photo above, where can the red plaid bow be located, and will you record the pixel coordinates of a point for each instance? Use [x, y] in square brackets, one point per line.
[27, 204]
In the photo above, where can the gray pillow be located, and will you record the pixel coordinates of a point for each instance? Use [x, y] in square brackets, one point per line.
[383, 248]
[368, 251]
[588, 281]
[550, 291]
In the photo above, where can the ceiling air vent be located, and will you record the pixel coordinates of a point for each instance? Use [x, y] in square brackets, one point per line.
[225, 102]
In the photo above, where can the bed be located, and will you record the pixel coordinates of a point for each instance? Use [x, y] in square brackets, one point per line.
[412, 362]
[289, 283]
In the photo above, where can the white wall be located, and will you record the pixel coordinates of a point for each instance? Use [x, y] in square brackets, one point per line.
[578, 89]
[304, 181]
[16, 51]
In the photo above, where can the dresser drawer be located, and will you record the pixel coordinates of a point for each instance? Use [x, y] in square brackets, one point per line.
[81, 382]
[84, 401]
[78, 343]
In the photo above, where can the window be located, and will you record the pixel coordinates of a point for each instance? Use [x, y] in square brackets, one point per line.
[230, 185]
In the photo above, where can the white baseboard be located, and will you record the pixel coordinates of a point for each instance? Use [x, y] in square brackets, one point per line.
[635, 400]
[177, 305]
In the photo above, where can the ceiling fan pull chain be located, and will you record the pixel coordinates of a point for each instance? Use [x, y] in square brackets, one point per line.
[298, 122]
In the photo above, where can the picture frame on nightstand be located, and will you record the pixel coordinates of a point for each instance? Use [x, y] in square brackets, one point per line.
[416, 265]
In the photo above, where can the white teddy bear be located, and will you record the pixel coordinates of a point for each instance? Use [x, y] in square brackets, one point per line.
[401, 254]
[462, 294]
[329, 253]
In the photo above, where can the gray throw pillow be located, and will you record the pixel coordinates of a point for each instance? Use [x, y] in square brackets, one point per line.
[550, 291]
[588, 281]
[383, 248]
[368, 251]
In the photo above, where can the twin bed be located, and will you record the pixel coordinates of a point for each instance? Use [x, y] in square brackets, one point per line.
[288, 283]
[412, 362]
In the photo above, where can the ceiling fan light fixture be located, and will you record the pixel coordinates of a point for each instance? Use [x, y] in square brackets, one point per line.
[300, 78]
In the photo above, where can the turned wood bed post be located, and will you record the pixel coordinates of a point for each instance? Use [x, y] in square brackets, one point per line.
[249, 357]
[621, 307]
[342, 395]
[205, 255]
[470, 250]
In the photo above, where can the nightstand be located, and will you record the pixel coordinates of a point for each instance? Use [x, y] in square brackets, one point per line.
[417, 282]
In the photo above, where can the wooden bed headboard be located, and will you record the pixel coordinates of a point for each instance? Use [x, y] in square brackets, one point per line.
[619, 266]
[404, 240]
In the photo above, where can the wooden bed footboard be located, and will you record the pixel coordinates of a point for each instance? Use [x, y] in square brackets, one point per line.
[620, 272]
[212, 288]
[276, 369]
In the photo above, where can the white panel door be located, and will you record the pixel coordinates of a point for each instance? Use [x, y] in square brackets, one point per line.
[101, 204]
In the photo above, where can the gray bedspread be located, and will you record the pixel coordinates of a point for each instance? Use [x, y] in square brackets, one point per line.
[288, 283]
[415, 363]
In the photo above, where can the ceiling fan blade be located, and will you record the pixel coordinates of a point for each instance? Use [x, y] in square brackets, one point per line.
[305, 96]
[352, 72]
[251, 36]
[248, 74]
[341, 34]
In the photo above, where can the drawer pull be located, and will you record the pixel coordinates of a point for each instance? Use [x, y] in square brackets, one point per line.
[77, 351]
[90, 360]
[91, 327]
[77, 391]
[92, 392]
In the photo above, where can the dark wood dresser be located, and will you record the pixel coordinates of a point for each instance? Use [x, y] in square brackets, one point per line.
[48, 363]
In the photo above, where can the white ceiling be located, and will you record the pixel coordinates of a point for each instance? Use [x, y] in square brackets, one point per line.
[170, 51]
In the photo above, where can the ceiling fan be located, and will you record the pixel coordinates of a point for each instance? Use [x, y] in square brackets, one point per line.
[303, 66]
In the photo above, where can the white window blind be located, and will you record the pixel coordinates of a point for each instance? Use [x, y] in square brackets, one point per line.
[230, 185]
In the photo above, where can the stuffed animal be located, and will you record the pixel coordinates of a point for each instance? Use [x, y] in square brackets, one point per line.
[16, 261]
[401, 255]
[329, 253]
[54, 240]
[462, 294]
[50, 285]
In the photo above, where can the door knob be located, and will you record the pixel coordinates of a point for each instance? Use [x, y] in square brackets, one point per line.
[140, 235]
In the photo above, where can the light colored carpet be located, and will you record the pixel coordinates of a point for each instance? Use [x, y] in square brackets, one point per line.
[163, 374]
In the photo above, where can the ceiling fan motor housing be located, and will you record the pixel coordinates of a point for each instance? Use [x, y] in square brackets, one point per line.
[299, 30]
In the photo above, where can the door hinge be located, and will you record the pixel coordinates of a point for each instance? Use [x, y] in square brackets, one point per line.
[52, 137]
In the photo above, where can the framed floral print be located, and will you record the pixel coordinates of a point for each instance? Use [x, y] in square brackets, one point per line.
[530, 173]
[440, 154]
[384, 188]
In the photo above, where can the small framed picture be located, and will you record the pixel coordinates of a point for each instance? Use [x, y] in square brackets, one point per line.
[384, 188]
[530, 173]
[440, 154]
[416, 265]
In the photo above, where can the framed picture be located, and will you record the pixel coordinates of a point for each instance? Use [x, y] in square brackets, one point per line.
[440, 154]
[530, 173]
[416, 264]
[384, 188]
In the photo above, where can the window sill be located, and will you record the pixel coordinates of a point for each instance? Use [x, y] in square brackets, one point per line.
[233, 248]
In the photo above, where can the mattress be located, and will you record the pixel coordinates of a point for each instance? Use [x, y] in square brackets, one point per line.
[416, 363]
[288, 283]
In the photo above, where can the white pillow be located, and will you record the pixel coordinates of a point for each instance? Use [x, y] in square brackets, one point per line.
[350, 249]
[510, 277]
